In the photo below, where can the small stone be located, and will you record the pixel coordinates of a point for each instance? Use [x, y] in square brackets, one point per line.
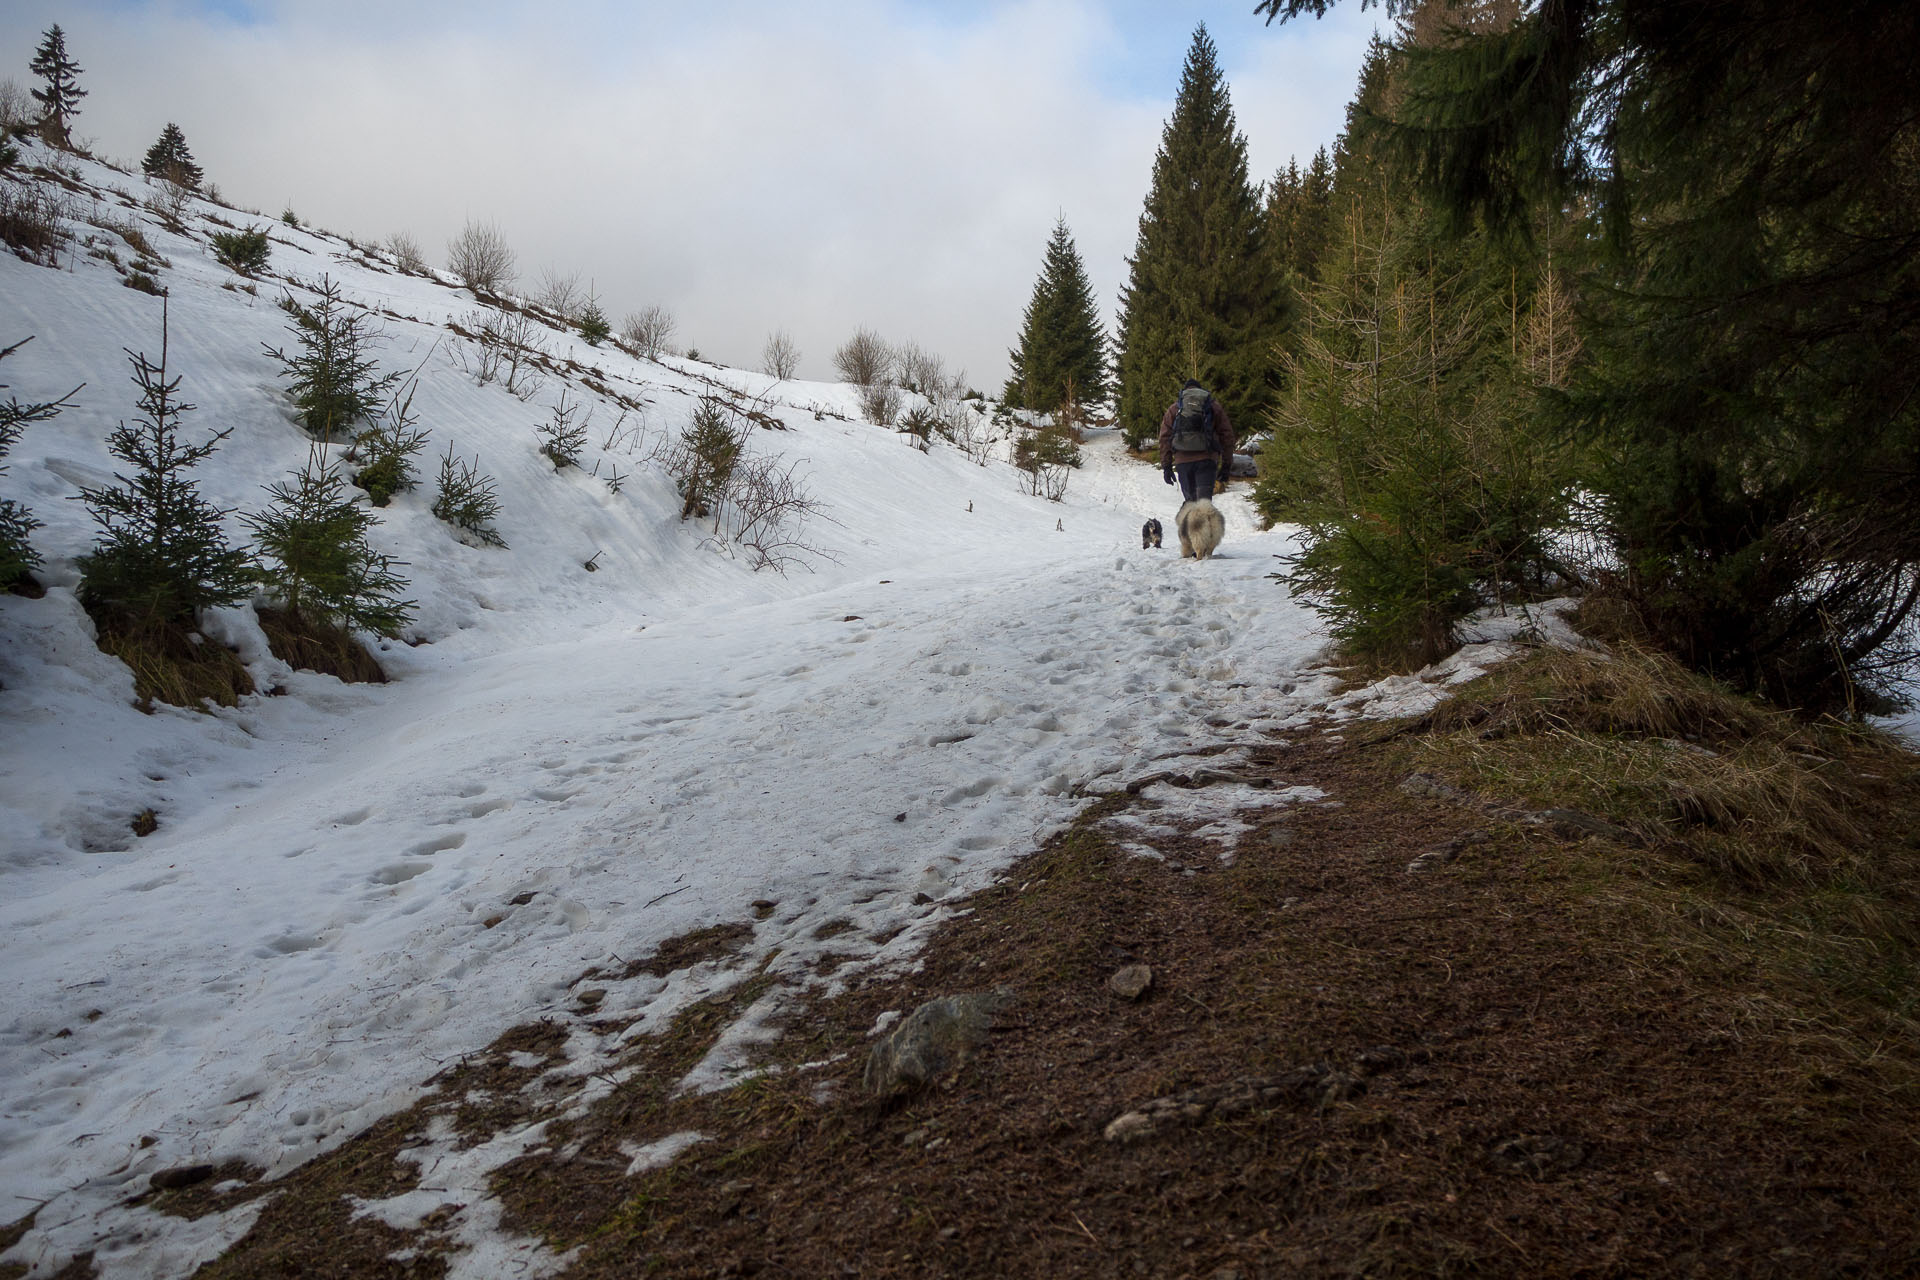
[521, 899]
[1131, 982]
[900, 817]
[914, 1137]
[492, 920]
[763, 907]
[1127, 1127]
[592, 997]
[949, 1233]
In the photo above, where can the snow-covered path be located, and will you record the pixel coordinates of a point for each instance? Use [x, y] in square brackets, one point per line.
[278, 970]
[350, 886]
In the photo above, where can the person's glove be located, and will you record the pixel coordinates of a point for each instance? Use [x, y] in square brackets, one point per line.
[1166, 473]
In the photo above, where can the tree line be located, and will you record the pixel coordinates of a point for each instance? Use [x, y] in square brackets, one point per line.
[1619, 298]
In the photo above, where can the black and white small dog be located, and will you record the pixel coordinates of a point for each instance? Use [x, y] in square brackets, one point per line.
[1150, 534]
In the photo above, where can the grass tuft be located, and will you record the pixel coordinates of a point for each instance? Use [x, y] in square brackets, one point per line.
[311, 645]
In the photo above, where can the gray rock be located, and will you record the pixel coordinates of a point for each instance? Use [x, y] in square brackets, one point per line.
[1243, 465]
[934, 1039]
[1131, 982]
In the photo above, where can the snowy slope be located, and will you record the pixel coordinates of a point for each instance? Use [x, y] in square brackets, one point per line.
[351, 886]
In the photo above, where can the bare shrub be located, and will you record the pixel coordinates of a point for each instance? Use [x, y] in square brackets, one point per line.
[922, 371]
[16, 109]
[507, 350]
[970, 430]
[406, 253]
[30, 215]
[780, 358]
[560, 294]
[865, 360]
[881, 403]
[481, 258]
[170, 202]
[648, 331]
[769, 508]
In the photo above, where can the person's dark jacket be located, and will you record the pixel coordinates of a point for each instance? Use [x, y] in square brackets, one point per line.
[1222, 439]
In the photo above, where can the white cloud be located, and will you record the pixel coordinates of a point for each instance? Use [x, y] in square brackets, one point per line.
[809, 166]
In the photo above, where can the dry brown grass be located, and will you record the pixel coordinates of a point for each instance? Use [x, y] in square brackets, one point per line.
[177, 666]
[1758, 794]
[304, 643]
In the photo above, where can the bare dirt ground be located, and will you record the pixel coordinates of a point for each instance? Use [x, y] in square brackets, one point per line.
[1551, 1055]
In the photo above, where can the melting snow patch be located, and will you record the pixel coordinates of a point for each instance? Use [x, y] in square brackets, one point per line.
[729, 1061]
[457, 1180]
[661, 1153]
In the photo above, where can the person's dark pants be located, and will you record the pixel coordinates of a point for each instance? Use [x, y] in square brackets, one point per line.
[1196, 478]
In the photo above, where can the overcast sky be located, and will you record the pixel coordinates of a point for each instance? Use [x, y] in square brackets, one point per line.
[894, 164]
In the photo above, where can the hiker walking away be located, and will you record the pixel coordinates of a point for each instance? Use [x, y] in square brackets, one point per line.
[1196, 441]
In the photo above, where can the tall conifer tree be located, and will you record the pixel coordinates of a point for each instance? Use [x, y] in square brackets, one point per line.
[1202, 299]
[1062, 354]
[60, 100]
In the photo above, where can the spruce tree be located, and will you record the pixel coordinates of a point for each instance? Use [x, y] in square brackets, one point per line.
[1201, 299]
[60, 100]
[169, 158]
[1756, 316]
[1406, 440]
[332, 377]
[1062, 356]
[161, 556]
[315, 557]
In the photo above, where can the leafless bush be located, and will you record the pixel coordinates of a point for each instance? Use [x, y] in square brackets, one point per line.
[924, 372]
[769, 508]
[560, 294]
[865, 360]
[507, 349]
[970, 431]
[30, 216]
[780, 358]
[481, 258]
[406, 253]
[881, 403]
[170, 202]
[16, 109]
[648, 331]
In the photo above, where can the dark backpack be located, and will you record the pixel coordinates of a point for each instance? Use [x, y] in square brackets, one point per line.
[1193, 422]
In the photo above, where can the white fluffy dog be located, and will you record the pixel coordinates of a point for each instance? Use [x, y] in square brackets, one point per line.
[1201, 527]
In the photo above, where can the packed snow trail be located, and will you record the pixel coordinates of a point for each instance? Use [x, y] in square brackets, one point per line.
[276, 972]
[350, 887]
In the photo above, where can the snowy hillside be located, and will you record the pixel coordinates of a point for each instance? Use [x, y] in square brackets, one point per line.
[352, 886]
